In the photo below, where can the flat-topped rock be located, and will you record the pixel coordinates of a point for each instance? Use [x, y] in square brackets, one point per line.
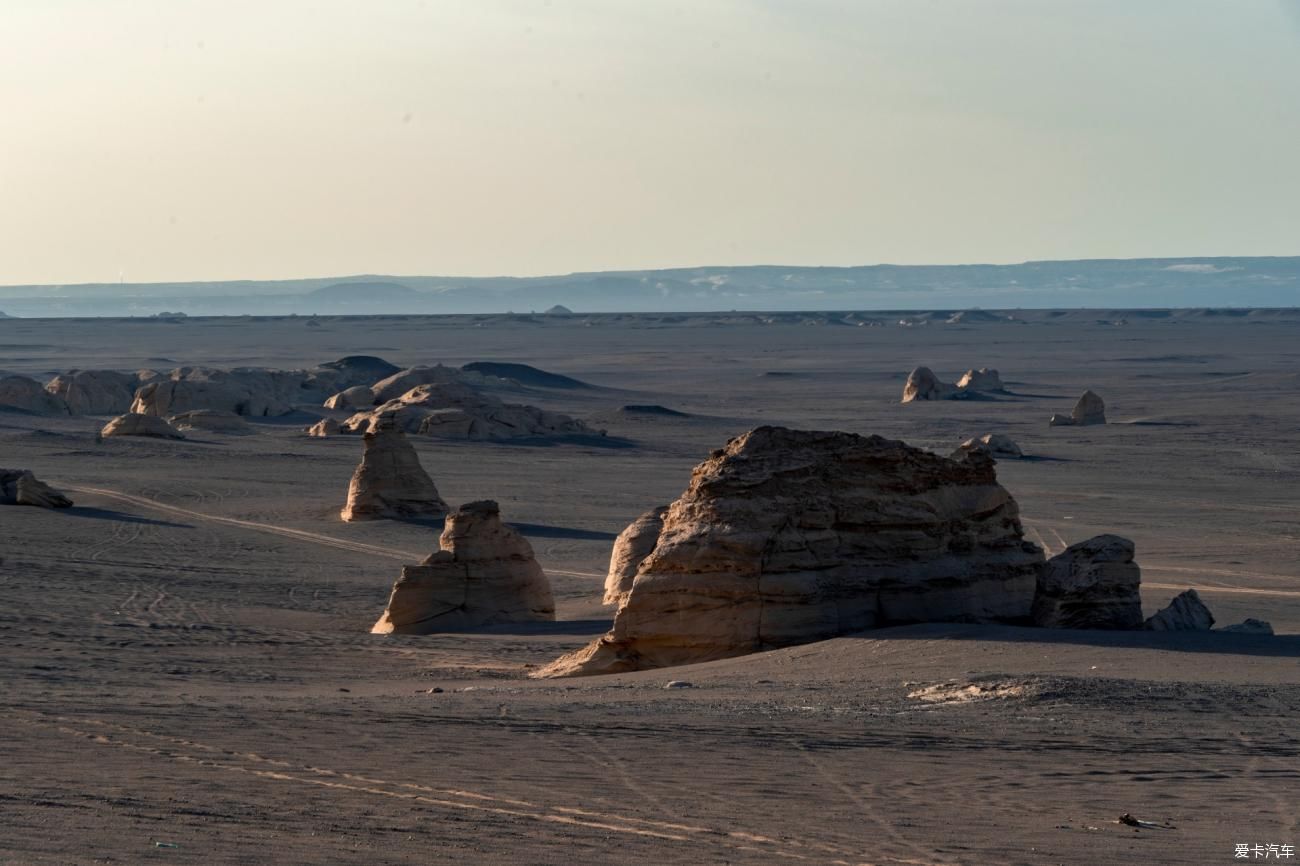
[483, 574]
[789, 536]
[1094, 584]
[389, 482]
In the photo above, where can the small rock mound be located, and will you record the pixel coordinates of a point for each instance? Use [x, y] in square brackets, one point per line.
[484, 574]
[922, 384]
[992, 444]
[361, 368]
[1088, 411]
[389, 482]
[21, 487]
[632, 546]
[135, 424]
[526, 375]
[790, 536]
[1249, 626]
[1094, 584]
[651, 409]
[211, 420]
[453, 410]
[983, 379]
[325, 427]
[1185, 613]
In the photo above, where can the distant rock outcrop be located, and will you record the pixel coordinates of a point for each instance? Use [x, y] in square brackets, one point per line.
[354, 398]
[984, 379]
[922, 384]
[484, 574]
[27, 395]
[525, 374]
[390, 482]
[631, 548]
[1089, 410]
[558, 310]
[135, 424]
[247, 391]
[211, 420]
[360, 369]
[21, 487]
[993, 444]
[790, 536]
[454, 410]
[98, 392]
[1185, 613]
[1094, 584]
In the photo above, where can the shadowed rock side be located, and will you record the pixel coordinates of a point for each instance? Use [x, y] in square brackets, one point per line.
[27, 395]
[484, 574]
[212, 421]
[1185, 613]
[356, 397]
[1089, 410]
[922, 384]
[390, 482]
[631, 547]
[135, 424]
[21, 487]
[1092, 584]
[789, 536]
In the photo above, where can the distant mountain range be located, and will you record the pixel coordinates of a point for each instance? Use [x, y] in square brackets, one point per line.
[1093, 283]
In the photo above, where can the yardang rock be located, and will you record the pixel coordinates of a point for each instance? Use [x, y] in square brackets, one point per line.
[390, 482]
[1094, 584]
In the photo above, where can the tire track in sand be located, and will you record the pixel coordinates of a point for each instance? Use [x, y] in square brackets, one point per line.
[262, 767]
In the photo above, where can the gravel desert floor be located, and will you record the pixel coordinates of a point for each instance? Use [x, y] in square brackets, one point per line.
[188, 675]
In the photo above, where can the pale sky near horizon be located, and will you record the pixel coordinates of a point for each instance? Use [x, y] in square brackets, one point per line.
[168, 140]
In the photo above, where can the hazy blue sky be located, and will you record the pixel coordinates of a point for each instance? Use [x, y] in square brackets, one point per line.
[218, 139]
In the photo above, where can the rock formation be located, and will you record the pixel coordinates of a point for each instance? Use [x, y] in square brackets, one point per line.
[1249, 626]
[354, 398]
[1185, 613]
[135, 424]
[390, 482]
[484, 574]
[211, 420]
[1089, 410]
[790, 536]
[1094, 584]
[631, 547]
[98, 392]
[324, 427]
[983, 379]
[243, 391]
[992, 444]
[28, 395]
[403, 381]
[454, 410]
[21, 487]
[922, 384]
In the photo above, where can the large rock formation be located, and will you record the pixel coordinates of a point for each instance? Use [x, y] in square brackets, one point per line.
[483, 574]
[135, 424]
[1093, 584]
[21, 487]
[243, 391]
[992, 444]
[27, 395]
[454, 410]
[631, 548]
[790, 536]
[98, 392]
[1185, 613]
[390, 482]
[1088, 410]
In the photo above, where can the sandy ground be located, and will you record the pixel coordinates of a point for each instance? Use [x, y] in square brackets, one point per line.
[185, 661]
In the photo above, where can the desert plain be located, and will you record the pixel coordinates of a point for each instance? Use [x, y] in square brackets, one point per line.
[189, 677]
